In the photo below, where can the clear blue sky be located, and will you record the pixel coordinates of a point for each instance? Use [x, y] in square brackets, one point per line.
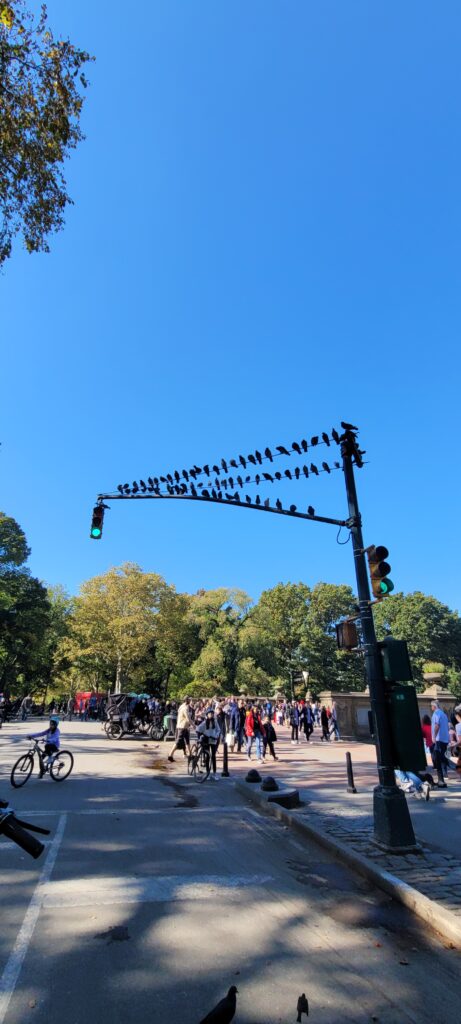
[265, 240]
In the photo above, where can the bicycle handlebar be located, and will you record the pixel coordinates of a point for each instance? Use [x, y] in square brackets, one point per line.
[15, 829]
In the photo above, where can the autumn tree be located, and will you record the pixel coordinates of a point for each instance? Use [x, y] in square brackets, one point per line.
[431, 629]
[41, 83]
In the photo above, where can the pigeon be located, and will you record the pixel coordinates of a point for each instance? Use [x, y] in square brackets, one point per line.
[348, 426]
[278, 475]
[259, 457]
[310, 510]
[302, 1006]
[243, 461]
[240, 481]
[193, 474]
[258, 499]
[224, 1011]
[288, 474]
[205, 493]
[248, 499]
[198, 470]
[177, 476]
[267, 476]
[127, 488]
[296, 447]
[297, 472]
[231, 481]
[266, 502]
[224, 465]
[304, 445]
[292, 508]
[282, 450]
[233, 463]
[326, 467]
[237, 497]
[278, 504]
[268, 454]
[193, 491]
[252, 459]
[314, 440]
[169, 478]
[216, 470]
[337, 465]
[314, 469]
[163, 480]
[185, 474]
[120, 488]
[326, 439]
[135, 488]
[143, 486]
[257, 479]
[206, 469]
[213, 494]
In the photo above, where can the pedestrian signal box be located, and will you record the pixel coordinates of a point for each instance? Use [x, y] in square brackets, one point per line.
[405, 726]
[395, 659]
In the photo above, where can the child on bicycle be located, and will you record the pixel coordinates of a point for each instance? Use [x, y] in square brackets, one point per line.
[52, 742]
[208, 733]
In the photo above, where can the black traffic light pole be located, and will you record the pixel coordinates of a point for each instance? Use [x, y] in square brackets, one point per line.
[393, 828]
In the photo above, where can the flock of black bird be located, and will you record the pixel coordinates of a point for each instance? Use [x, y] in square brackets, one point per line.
[223, 479]
[224, 1011]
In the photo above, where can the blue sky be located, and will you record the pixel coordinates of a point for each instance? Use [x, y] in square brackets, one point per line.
[265, 240]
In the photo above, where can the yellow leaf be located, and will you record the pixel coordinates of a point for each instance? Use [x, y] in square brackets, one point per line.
[6, 15]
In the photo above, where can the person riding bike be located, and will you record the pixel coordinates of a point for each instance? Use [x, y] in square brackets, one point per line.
[208, 733]
[52, 741]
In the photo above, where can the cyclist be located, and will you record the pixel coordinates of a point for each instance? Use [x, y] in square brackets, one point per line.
[52, 742]
[208, 733]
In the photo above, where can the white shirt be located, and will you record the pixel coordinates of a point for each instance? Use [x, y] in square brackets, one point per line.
[439, 718]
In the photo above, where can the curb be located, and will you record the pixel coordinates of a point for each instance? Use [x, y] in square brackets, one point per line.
[439, 918]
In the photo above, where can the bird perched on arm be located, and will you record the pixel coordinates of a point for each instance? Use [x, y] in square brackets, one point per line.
[224, 1011]
[302, 1007]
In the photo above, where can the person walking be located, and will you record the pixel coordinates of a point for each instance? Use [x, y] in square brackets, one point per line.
[324, 724]
[183, 727]
[241, 725]
[254, 732]
[294, 722]
[440, 738]
[70, 709]
[270, 737]
[25, 707]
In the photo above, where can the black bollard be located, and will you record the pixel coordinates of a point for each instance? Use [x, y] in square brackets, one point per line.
[350, 774]
[225, 770]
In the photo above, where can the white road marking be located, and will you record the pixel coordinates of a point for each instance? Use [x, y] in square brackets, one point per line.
[135, 810]
[10, 975]
[105, 890]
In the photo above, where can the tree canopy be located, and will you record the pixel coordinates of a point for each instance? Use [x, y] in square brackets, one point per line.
[41, 83]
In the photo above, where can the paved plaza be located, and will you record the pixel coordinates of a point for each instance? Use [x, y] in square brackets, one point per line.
[155, 894]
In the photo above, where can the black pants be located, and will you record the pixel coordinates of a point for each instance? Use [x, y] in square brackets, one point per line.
[294, 732]
[269, 743]
[325, 733]
[440, 760]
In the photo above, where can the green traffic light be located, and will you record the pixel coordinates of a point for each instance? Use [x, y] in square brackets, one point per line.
[96, 532]
[386, 586]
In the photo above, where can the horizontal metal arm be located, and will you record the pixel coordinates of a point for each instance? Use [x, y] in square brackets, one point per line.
[217, 501]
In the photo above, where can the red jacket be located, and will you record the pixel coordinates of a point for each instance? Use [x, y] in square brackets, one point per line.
[250, 725]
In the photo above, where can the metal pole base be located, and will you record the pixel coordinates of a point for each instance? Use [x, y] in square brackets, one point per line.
[393, 829]
[225, 768]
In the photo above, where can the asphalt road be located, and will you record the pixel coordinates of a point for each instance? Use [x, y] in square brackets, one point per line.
[156, 894]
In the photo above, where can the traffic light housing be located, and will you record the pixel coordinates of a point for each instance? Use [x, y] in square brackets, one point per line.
[379, 571]
[97, 521]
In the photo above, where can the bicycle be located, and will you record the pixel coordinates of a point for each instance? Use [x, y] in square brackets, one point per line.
[200, 766]
[14, 829]
[59, 765]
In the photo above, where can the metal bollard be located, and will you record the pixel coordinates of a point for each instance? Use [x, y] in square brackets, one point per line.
[350, 774]
[225, 770]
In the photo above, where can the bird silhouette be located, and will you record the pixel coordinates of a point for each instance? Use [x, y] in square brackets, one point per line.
[326, 467]
[213, 493]
[183, 488]
[282, 450]
[216, 470]
[217, 482]
[326, 439]
[240, 481]
[267, 476]
[177, 476]
[288, 474]
[205, 493]
[243, 461]
[257, 479]
[237, 497]
[169, 489]
[266, 502]
[193, 490]
[310, 510]
[297, 472]
[193, 474]
[278, 504]
[224, 1011]
[177, 489]
[302, 1006]
[314, 469]
[185, 474]
[337, 465]
[200, 485]
[229, 497]
[314, 441]
[292, 508]
[335, 435]
[278, 475]
[143, 486]
[248, 499]
[135, 488]
[231, 481]
[163, 479]
[127, 488]
[233, 463]
[348, 426]
[268, 454]
[224, 465]
[296, 447]
[120, 488]
[248, 479]
[259, 457]
[258, 499]
[305, 471]
[206, 469]
[304, 445]
[169, 478]
[198, 470]
[252, 459]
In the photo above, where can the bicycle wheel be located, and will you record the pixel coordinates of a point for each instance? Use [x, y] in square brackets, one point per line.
[201, 769]
[22, 771]
[157, 732]
[114, 731]
[194, 752]
[61, 766]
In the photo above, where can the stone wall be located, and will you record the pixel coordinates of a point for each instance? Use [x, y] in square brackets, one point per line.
[352, 708]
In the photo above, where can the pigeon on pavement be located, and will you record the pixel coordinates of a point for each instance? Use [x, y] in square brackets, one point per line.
[224, 1011]
[302, 1007]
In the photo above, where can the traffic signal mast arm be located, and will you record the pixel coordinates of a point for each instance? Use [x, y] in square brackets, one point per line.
[216, 501]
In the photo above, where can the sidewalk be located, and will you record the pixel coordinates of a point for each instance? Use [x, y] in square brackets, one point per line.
[318, 770]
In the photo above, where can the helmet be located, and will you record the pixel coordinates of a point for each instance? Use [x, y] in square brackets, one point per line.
[55, 718]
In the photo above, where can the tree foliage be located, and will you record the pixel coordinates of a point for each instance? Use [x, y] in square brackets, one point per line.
[41, 83]
[431, 629]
